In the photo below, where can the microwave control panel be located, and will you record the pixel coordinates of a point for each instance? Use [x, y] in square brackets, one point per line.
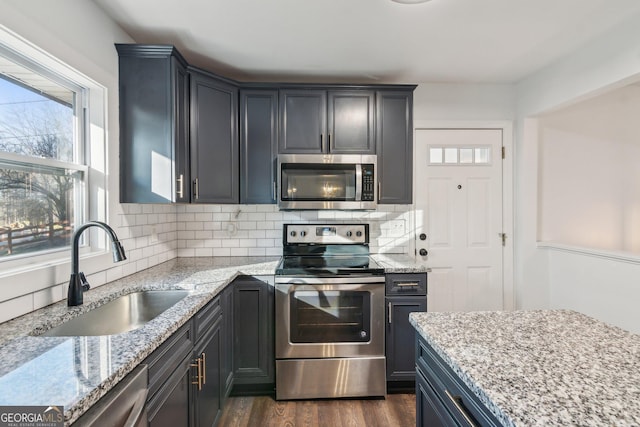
[368, 178]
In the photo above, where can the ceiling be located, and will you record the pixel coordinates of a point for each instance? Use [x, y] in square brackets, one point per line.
[371, 41]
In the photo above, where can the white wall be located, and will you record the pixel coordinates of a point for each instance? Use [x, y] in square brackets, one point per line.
[589, 163]
[463, 102]
[546, 277]
[79, 34]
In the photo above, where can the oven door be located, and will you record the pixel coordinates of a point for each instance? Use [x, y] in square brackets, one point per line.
[328, 317]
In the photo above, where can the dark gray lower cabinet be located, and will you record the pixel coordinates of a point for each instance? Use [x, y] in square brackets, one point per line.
[430, 411]
[186, 381]
[168, 401]
[207, 399]
[405, 293]
[254, 356]
[170, 407]
[226, 352]
[442, 399]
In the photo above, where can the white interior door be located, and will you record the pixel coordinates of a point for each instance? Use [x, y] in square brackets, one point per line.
[459, 214]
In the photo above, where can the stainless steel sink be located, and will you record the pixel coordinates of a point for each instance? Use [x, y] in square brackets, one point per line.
[123, 314]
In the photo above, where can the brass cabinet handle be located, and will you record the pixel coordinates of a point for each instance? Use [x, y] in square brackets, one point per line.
[457, 402]
[180, 186]
[204, 368]
[198, 379]
[407, 284]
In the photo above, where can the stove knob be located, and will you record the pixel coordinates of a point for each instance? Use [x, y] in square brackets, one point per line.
[358, 233]
[303, 233]
[349, 234]
[292, 234]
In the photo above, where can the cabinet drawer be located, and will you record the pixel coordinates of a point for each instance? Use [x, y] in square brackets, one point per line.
[406, 284]
[206, 317]
[463, 405]
[166, 358]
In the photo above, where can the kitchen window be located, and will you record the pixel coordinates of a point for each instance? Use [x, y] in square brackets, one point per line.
[43, 169]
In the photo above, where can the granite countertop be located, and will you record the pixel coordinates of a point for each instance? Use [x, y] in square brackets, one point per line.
[398, 263]
[541, 368]
[75, 372]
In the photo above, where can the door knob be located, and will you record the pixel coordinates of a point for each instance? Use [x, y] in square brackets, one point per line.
[423, 252]
[423, 236]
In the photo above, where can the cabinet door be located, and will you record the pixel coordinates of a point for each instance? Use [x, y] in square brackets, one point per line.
[152, 120]
[303, 121]
[351, 121]
[226, 352]
[394, 146]
[430, 411]
[181, 180]
[214, 140]
[170, 405]
[207, 402]
[254, 354]
[400, 337]
[258, 145]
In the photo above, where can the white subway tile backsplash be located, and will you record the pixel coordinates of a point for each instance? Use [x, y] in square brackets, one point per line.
[16, 307]
[152, 234]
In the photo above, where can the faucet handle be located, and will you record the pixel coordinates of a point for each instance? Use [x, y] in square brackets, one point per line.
[83, 280]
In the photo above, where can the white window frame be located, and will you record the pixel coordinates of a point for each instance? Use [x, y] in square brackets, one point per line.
[91, 128]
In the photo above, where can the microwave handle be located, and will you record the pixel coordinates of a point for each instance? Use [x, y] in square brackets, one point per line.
[358, 182]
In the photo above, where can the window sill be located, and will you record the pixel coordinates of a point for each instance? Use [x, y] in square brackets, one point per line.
[620, 256]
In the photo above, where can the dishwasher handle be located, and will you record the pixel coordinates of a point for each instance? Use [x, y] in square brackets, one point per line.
[138, 417]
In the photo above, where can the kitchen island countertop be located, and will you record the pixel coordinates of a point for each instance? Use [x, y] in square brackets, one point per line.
[541, 368]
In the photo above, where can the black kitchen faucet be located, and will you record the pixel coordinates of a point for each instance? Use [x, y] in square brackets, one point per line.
[78, 282]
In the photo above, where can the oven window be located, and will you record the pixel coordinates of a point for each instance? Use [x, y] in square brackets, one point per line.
[330, 316]
[309, 182]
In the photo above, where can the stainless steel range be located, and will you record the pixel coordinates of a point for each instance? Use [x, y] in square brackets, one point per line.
[329, 314]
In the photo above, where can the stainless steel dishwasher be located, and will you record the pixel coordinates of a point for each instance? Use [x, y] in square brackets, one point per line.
[123, 406]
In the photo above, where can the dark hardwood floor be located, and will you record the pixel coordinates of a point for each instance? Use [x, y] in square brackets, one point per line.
[396, 410]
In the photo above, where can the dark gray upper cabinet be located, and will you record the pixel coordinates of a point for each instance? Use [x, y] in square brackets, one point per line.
[214, 139]
[351, 122]
[154, 144]
[394, 145]
[303, 121]
[258, 145]
[327, 121]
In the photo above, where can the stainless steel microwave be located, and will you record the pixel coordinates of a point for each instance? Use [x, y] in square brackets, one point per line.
[327, 181]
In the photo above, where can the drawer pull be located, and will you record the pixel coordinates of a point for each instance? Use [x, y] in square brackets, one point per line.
[457, 402]
[407, 284]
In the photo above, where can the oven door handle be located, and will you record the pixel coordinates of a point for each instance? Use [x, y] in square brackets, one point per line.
[289, 280]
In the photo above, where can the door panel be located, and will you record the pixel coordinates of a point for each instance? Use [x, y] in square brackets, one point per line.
[460, 210]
